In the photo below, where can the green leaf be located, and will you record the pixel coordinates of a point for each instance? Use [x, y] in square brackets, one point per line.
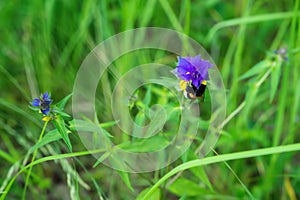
[275, 76]
[204, 124]
[59, 123]
[62, 103]
[51, 136]
[154, 196]
[183, 197]
[256, 69]
[250, 100]
[61, 113]
[125, 177]
[145, 145]
[158, 116]
[147, 99]
[140, 118]
[186, 187]
[34, 108]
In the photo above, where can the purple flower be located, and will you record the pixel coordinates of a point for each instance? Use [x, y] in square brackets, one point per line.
[282, 53]
[192, 69]
[43, 102]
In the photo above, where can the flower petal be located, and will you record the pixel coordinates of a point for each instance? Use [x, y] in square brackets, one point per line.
[184, 64]
[185, 77]
[184, 70]
[48, 101]
[45, 111]
[195, 61]
[203, 68]
[36, 102]
[46, 96]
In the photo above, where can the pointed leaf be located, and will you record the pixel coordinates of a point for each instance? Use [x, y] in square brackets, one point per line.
[34, 108]
[59, 123]
[147, 99]
[256, 69]
[62, 103]
[139, 120]
[49, 137]
[275, 76]
[125, 177]
[61, 113]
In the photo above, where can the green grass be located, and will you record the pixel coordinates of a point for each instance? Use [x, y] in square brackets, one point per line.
[256, 157]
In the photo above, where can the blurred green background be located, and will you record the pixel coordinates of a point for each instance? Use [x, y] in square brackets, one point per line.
[44, 42]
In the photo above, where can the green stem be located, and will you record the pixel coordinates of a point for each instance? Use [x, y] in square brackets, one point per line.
[237, 62]
[296, 79]
[285, 82]
[249, 20]
[222, 158]
[263, 78]
[32, 160]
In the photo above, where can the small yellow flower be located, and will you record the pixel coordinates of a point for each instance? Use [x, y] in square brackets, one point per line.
[47, 118]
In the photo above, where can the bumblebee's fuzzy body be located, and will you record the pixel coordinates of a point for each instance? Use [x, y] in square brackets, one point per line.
[191, 91]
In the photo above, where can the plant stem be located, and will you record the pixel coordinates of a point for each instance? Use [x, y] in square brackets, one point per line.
[32, 160]
[221, 158]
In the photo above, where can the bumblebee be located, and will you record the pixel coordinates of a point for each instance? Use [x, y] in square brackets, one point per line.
[191, 91]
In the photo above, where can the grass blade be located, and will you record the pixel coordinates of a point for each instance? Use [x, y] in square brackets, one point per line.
[222, 158]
